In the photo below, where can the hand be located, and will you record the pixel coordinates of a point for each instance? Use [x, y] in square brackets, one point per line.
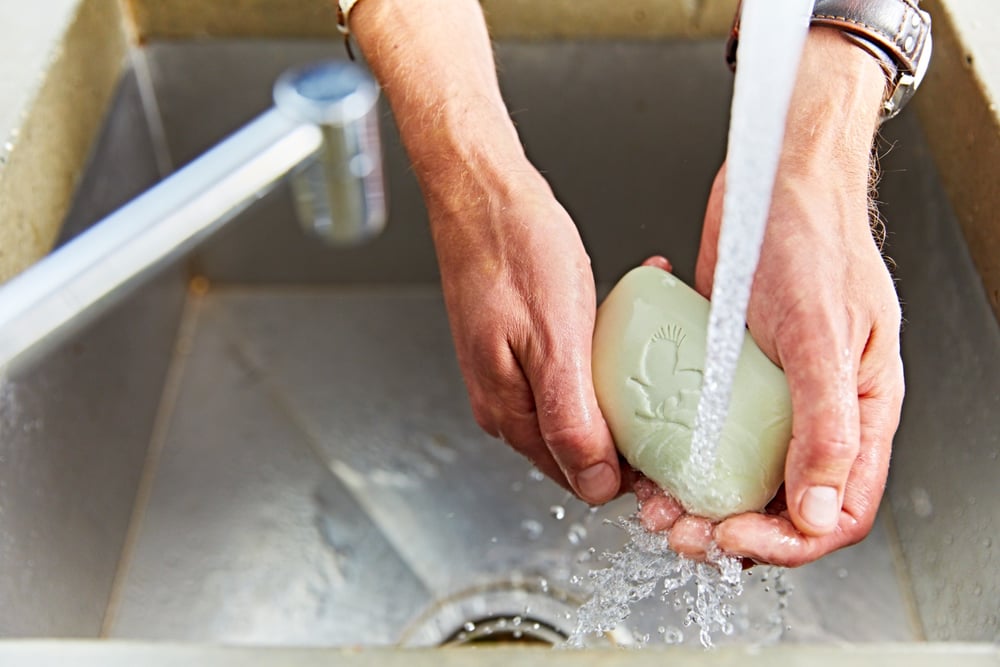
[824, 308]
[517, 282]
[521, 301]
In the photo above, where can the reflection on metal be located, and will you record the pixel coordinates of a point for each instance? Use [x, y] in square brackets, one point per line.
[339, 193]
[326, 116]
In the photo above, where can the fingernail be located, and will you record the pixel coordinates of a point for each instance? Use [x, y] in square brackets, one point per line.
[820, 508]
[597, 483]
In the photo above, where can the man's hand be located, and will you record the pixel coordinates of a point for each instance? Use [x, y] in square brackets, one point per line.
[521, 302]
[824, 308]
[517, 281]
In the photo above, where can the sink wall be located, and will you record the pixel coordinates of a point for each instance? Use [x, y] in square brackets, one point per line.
[74, 430]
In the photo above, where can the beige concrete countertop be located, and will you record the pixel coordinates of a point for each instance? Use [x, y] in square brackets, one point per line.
[110, 654]
[59, 61]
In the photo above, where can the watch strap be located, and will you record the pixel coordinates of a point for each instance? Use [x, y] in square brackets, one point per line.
[898, 28]
[896, 32]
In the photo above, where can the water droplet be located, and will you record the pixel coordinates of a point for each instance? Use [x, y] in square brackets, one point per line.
[516, 487]
[532, 528]
[673, 636]
[494, 540]
[535, 475]
[469, 627]
[516, 621]
[577, 533]
[921, 500]
[518, 634]
[987, 542]
[558, 512]
[842, 573]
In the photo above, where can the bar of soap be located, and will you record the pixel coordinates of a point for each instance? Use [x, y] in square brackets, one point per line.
[648, 359]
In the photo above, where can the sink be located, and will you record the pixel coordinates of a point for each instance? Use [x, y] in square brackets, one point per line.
[270, 443]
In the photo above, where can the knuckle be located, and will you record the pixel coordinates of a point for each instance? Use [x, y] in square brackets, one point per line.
[484, 418]
[568, 441]
[835, 451]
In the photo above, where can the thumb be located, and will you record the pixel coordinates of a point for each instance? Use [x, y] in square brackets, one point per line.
[825, 431]
[571, 423]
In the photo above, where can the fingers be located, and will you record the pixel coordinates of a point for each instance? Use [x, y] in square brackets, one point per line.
[571, 423]
[768, 538]
[691, 536]
[659, 513]
[774, 539]
[548, 412]
[659, 262]
[504, 407]
[822, 378]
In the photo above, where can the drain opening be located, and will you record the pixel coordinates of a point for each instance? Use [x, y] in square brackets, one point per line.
[505, 630]
[504, 612]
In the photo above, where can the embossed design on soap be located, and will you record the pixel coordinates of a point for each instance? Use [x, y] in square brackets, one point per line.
[674, 401]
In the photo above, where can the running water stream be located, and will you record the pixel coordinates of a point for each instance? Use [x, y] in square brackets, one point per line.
[772, 34]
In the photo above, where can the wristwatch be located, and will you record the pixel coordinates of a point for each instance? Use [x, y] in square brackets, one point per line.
[896, 32]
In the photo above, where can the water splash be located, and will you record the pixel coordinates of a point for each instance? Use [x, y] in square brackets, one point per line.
[647, 567]
[772, 35]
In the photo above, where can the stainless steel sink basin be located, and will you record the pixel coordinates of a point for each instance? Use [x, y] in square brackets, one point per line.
[270, 444]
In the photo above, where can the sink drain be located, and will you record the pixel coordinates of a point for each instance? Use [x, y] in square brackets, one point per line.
[502, 613]
[503, 630]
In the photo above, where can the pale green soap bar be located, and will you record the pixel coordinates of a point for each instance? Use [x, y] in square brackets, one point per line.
[649, 354]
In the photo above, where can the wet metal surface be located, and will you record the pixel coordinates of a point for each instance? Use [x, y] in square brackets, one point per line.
[943, 484]
[74, 428]
[323, 481]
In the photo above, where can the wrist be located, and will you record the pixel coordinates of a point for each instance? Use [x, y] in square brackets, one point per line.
[435, 63]
[477, 160]
[835, 107]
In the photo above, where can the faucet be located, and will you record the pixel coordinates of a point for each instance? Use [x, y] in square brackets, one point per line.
[322, 133]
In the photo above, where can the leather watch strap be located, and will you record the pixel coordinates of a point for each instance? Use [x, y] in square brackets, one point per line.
[898, 27]
[896, 32]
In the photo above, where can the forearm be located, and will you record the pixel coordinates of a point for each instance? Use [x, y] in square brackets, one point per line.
[435, 62]
[834, 110]
[832, 120]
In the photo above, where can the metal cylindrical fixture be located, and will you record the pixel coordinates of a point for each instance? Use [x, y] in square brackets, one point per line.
[340, 194]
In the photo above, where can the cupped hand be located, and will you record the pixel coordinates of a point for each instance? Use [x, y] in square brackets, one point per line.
[824, 308]
[521, 301]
